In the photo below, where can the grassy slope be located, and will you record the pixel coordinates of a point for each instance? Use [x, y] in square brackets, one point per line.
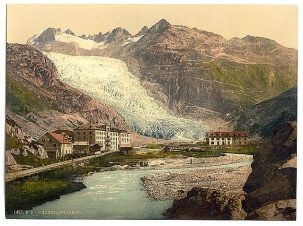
[116, 158]
[258, 81]
[37, 189]
[11, 142]
[247, 149]
[21, 100]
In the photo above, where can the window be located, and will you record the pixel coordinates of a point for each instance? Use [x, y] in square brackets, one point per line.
[55, 145]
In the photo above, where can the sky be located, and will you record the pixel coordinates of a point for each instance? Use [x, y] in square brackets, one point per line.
[277, 22]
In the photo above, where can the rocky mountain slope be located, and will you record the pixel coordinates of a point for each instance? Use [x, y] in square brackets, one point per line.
[21, 151]
[192, 72]
[270, 188]
[266, 117]
[37, 101]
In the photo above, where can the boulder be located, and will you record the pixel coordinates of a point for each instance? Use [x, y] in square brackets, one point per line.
[207, 204]
[42, 153]
[280, 210]
[9, 159]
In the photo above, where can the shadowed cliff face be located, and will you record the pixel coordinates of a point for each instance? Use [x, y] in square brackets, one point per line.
[268, 116]
[272, 184]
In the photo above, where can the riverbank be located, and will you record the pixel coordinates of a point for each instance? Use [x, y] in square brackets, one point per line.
[31, 191]
[27, 192]
[227, 173]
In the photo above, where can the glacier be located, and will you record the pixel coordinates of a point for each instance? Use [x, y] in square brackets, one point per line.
[108, 80]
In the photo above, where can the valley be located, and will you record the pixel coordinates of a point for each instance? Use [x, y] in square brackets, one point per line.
[189, 115]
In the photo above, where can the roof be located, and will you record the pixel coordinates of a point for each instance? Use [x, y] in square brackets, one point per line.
[91, 126]
[60, 138]
[227, 134]
[94, 126]
[125, 145]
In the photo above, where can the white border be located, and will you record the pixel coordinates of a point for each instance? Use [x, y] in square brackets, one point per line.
[147, 223]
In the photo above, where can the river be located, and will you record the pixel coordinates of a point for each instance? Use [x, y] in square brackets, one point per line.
[109, 195]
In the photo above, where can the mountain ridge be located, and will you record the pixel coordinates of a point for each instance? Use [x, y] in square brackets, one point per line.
[195, 73]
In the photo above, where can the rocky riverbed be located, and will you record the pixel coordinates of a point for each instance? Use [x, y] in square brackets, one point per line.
[227, 173]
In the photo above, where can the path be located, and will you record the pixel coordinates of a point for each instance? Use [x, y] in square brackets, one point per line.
[28, 172]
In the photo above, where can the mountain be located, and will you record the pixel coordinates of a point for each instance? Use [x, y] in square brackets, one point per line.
[118, 34]
[197, 70]
[266, 117]
[38, 101]
[143, 31]
[192, 73]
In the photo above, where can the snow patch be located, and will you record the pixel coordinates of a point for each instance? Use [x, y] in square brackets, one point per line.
[80, 42]
[109, 80]
[131, 40]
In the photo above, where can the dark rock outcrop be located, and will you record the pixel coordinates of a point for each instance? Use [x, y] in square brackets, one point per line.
[98, 37]
[207, 204]
[68, 31]
[118, 34]
[45, 37]
[273, 177]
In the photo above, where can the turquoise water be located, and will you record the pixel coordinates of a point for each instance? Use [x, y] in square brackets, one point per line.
[111, 195]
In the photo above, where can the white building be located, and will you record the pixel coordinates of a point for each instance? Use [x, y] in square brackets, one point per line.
[226, 138]
[57, 145]
[109, 139]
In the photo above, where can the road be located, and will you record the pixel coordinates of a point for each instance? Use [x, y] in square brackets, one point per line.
[28, 172]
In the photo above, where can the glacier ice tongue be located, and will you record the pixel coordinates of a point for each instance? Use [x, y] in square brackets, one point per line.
[109, 81]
